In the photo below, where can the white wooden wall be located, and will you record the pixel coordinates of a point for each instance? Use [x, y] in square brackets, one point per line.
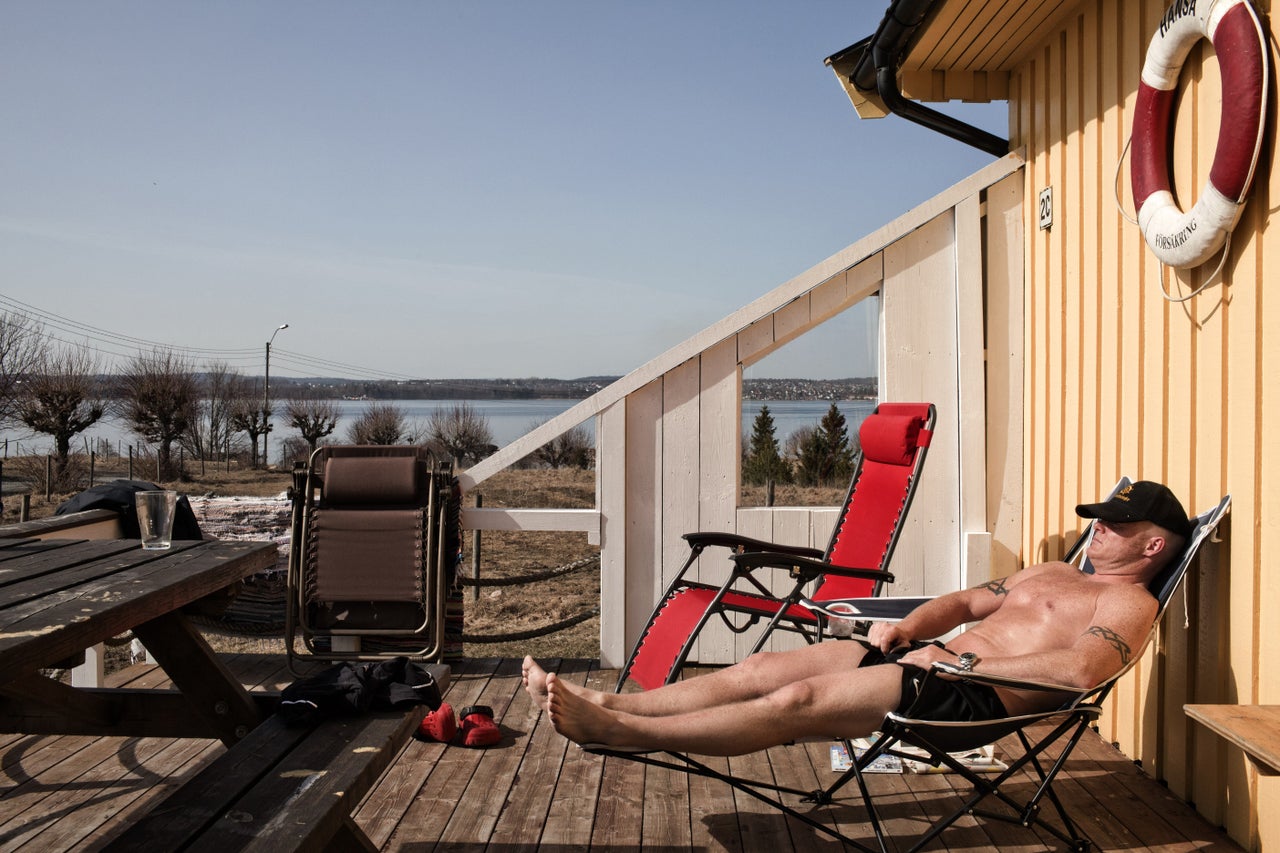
[668, 435]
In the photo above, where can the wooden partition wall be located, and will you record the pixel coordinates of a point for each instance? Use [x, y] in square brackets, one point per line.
[668, 435]
[1122, 381]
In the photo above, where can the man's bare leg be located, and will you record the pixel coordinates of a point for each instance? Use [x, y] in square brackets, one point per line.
[840, 704]
[757, 676]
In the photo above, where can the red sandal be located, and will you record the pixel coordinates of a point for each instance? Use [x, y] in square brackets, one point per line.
[478, 728]
[440, 724]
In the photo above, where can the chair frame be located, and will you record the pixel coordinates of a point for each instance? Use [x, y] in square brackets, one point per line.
[940, 739]
[308, 497]
[805, 566]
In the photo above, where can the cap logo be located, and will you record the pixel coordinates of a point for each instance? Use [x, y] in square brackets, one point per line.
[1123, 494]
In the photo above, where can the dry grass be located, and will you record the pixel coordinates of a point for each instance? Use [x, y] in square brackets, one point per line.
[499, 610]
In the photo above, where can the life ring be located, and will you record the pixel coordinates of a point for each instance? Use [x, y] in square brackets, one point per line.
[1189, 239]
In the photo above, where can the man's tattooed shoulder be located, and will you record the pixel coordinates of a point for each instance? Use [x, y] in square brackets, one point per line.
[996, 587]
[1115, 640]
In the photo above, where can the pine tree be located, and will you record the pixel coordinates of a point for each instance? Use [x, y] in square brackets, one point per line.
[762, 461]
[826, 454]
[839, 448]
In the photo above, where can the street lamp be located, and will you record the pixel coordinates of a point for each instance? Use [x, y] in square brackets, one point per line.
[266, 394]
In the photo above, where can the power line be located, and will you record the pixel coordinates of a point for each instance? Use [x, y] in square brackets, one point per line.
[95, 333]
[112, 346]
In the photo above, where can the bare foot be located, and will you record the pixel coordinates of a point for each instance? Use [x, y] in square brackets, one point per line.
[577, 717]
[535, 681]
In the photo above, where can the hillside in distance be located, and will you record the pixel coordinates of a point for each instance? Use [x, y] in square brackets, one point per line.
[546, 389]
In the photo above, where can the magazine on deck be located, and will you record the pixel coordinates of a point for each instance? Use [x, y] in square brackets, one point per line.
[981, 760]
[884, 764]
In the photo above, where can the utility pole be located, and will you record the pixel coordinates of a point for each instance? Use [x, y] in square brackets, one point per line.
[266, 395]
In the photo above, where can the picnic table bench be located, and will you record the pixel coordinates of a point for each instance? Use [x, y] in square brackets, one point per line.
[1253, 728]
[278, 789]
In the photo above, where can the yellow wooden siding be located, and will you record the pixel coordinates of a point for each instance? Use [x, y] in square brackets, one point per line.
[1120, 381]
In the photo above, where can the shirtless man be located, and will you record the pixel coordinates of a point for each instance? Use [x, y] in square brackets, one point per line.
[1048, 623]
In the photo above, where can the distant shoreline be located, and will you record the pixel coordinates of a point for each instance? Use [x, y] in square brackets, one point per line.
[857, 388]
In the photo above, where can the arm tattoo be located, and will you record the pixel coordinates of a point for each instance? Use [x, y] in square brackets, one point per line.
[1114, 639]
[996, 587]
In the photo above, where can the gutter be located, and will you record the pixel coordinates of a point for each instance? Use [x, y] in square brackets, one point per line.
[875, 62]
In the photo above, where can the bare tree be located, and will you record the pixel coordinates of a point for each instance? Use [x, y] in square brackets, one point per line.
[22, 347]
[210, 432]
[381, 423]
[61, 398]
[247, 415]
[314, 419]
[160, 395]
[571, 449]
[460, 432]
[795, 443]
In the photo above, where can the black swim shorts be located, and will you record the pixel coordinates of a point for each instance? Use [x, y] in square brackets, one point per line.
[942, 699]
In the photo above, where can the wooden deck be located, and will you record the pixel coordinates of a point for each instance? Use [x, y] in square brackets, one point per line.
[536, 792]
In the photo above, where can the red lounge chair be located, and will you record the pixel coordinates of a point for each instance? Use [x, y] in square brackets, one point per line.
[893, 442]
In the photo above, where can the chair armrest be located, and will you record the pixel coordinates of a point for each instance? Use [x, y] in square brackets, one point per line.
[879, 608]
[744, 543]
[978, 677]
[775, 559]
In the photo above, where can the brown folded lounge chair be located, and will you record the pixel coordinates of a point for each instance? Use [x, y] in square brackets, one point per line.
[374, 534]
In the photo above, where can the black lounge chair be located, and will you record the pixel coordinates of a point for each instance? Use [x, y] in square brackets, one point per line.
[906, 737]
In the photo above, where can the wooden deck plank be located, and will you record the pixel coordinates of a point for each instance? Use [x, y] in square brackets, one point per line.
[450, 770]
[763, 827]
[713, 819]
[793, 767]
[570, 817]
[488, 790]
[536, 792]
[619, 820]
[534, 761]
[666, 817]
[76, 785]
[123, 790]
[1167, 823]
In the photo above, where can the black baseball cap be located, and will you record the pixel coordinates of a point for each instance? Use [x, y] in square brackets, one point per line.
[1142, 501]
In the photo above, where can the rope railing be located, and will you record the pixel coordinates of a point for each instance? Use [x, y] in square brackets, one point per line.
[531, 577]
[530, 634]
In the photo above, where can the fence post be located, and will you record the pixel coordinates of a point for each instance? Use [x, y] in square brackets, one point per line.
[48, 477]
[24, 514]
[130, 461]
[93, 458]
[475, 554]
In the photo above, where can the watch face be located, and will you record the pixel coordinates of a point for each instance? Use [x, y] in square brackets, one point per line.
[967, 660]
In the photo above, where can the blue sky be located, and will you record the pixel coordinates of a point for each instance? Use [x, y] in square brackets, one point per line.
[432, 189]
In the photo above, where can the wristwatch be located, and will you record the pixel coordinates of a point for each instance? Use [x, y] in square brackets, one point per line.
[967, 661]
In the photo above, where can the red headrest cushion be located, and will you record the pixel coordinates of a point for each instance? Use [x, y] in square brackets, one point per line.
[890, 439]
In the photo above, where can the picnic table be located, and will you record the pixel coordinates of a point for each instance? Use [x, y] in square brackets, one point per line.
[59, 597]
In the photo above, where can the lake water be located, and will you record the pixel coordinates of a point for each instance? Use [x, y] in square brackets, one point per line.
[508, 420]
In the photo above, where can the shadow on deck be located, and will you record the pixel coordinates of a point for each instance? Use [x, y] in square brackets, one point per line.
[534, 791]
